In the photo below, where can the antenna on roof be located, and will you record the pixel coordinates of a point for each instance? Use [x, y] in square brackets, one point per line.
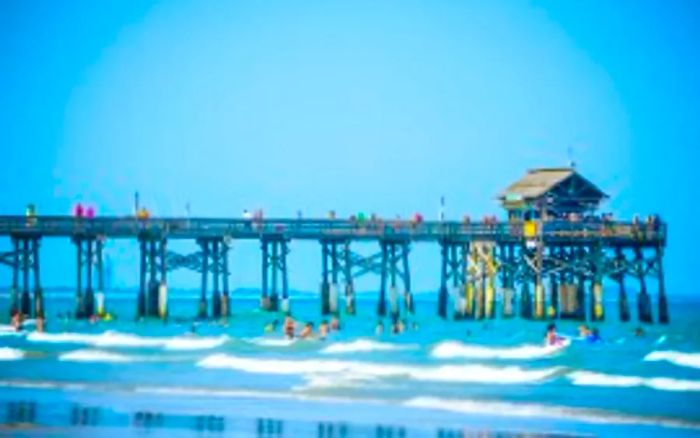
[570, 155]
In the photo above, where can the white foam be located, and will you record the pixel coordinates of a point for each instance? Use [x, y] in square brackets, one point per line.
[8, 330]
[195, 343]
[95, 356]
[371, 370]
[116, 339]
[675, 357]
[455, 349]
[7, 354]
[363, 346]
[272, 342]
[534, 410]
[588, 378]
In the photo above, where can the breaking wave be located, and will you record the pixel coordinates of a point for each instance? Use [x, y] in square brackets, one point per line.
[455, 349]
[116, 339]
[7, 354]
[363, 346]
[675, 357]
[370, 370]
[588, 378]
[272, 342]
[96, 356]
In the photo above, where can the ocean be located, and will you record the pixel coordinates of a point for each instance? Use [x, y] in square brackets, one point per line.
[437, 379]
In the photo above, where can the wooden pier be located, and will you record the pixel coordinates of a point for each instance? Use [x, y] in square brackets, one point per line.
[548, 259]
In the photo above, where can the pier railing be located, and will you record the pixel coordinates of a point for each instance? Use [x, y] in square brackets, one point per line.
[314, 229]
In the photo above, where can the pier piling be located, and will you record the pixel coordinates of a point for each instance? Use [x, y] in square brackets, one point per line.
[643, 298]
[381, 305]
[202, 308]
[663, 301]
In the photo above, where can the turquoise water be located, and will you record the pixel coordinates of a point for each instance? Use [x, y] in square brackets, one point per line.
[437, 379]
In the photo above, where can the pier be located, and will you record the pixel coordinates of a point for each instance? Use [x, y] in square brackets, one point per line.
[549, 258]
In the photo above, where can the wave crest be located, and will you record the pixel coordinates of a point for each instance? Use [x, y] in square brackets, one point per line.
[116, 339]
[589, 378]
[455, 349]
[675, 357]
[371, 370]
[7, 353]
[363, 346]
[95, 356]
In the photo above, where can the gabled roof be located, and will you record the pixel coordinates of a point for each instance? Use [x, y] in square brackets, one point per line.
[537, 182]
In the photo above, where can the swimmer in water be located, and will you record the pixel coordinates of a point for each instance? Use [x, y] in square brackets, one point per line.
[639, 332]
[335, 324]
[551, 337]
[17, 320]
[308, 331]
[323, 330]
[40, 324]
[594, 336]
[289, 327]
[583, 331]
[379, 329]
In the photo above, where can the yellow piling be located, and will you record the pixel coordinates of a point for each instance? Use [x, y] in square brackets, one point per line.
[598, 302]
[539, 301]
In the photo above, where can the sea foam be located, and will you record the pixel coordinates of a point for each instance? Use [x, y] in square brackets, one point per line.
[7, 354]
[588, 378]
[116, 339]
[455, 349]
[271, 342]
[372, 370]
[96, 356]
[363, 346]
[675, 357]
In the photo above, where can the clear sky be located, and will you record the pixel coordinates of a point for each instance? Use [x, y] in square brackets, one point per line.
[355, 106]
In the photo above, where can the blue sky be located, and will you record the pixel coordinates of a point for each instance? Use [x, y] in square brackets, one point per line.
[354, 106]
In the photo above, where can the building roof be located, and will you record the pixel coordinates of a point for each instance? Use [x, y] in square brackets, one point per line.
[537, 182]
